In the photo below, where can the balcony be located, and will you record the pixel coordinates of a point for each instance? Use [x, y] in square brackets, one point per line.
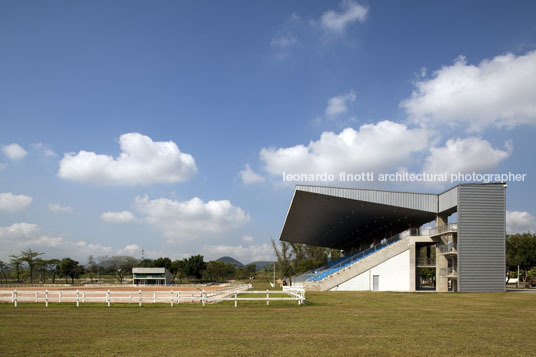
[434, 231]
[426, 262]
[449, 272]
[448, 249]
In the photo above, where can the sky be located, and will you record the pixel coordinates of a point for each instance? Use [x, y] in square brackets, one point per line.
[167, 126]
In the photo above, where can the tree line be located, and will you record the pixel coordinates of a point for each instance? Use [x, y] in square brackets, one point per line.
[29, 266]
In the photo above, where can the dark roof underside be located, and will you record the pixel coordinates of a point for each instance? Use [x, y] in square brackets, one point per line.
[342, 223]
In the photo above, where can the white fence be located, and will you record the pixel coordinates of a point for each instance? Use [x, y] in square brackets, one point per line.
[140, 297]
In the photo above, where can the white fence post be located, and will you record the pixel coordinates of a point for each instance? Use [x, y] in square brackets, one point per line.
[203, 297]
[267, 297]
[15, 297]
[139, 294]
[172, 297]
[77, 298]
[84, 297]
[36, 296]
[59, 296]
[154, 296]
[178, 297]
[108, 297]
[235, 298]
[46, 297]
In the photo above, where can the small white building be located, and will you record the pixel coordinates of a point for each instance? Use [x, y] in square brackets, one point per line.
[151, 276]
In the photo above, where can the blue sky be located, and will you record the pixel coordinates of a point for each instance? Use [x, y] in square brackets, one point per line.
[166, 125]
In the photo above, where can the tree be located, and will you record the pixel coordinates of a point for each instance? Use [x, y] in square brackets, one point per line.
[91, 266]
[162, 263]
[53, 265]
[194, 266]
[29, 256]
[3, 268]
[70, 268]
[177, 269]
[521, 251]
[284, 259]
[218, 271]
[16, 263]
[122, 265]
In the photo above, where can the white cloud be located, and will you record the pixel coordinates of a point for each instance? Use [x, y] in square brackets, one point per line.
[336, 22]
[499, 92]
[520, 222]
[247, 239]
[184, 220]
[14, 151]
[244, 254]
[21, 236]
[284, 40]
[13, 203]
[285, 37]
[248, 176]
[338, 104]
[466, 156]
[133, 250]
[56, 208]
[44, 149]
[141, 162]
[118, 217]
[373, 147]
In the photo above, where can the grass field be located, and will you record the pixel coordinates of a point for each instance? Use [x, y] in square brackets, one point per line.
[331, 323]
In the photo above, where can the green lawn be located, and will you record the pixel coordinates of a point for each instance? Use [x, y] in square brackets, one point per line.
[336, 323]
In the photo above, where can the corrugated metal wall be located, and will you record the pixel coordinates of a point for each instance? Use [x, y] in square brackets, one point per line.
[419, 201]
[481, 237]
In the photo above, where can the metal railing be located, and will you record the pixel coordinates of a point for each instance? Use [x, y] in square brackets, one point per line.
[432, 231]
[426, 262]
[446, 272]
[450, 247]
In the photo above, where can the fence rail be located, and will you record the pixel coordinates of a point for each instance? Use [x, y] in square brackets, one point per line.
[140, 297]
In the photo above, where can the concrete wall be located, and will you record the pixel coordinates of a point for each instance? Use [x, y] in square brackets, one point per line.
[394, 276]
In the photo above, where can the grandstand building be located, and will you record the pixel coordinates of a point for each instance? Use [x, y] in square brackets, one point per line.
[388, 241]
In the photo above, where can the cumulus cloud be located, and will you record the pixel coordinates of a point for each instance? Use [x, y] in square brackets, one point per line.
[249, 176]
[338, 104]
[14, 151]
[373, 147]
[130, 249]
[20, 236]
[247, 239]
[23, 235]
[500, 92]
[336, 22]
[56, 208]
[184, 220]
[10, 202]
[141, 162]
[244, 254]
[44, 149]
[467, 155]
[520, 222]
[118, 217]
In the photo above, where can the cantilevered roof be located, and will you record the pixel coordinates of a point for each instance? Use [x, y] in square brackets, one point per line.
[343, 217]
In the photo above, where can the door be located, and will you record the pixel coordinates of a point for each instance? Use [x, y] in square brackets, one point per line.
[375, 283]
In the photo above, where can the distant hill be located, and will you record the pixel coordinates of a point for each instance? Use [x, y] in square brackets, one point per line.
[260, 265]
[233, 261]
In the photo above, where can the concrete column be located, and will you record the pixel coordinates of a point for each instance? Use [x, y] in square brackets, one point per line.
[412, 267]
[442, 262]
[441, 220]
